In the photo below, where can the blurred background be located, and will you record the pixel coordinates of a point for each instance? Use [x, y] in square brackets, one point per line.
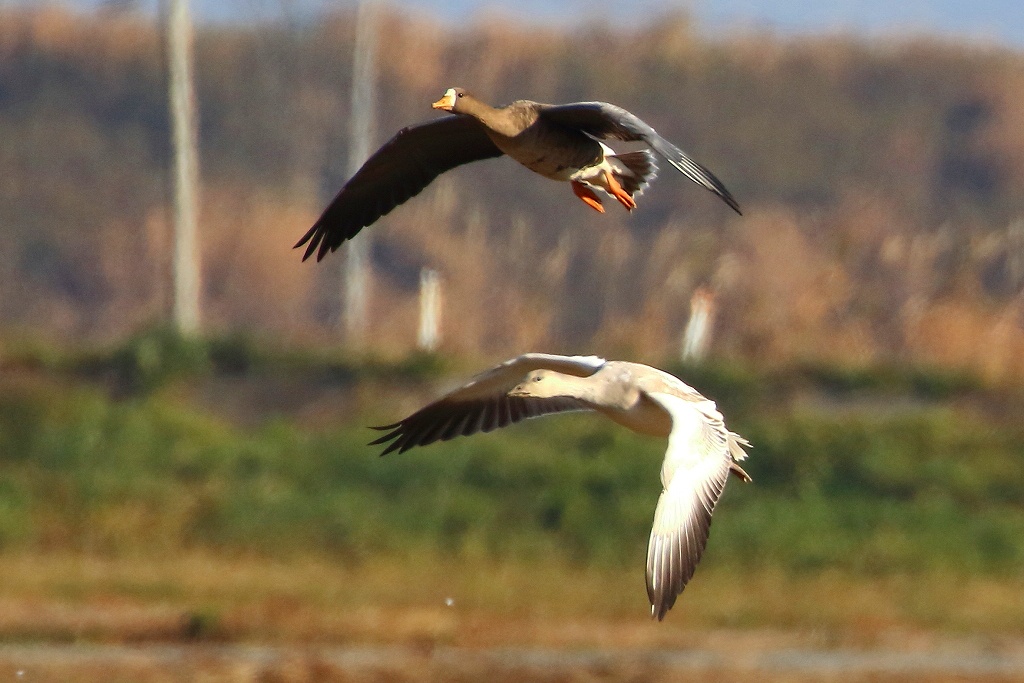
[187, 465]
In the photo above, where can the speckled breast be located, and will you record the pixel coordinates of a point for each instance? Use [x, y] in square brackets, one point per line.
[552, 153]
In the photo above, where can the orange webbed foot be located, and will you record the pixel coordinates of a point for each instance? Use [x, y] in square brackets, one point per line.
[616, 191]
[588, 196]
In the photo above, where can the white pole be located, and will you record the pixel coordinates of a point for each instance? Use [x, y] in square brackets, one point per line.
[361, 133]
[430, 310]
[186, 168]
[698, 328]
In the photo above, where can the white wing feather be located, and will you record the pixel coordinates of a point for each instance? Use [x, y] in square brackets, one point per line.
[693, 476]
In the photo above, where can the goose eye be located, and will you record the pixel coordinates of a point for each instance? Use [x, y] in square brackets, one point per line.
[536, 379]
[460, 94]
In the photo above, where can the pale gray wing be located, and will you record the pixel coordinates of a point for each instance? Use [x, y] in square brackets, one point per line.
[399, 170]
[483, 404]
[607, 121]
[696, 468]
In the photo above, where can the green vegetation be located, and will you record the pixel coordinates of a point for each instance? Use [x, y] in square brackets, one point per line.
[900, 483]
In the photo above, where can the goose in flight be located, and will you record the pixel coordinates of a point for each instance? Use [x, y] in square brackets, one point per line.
[561, 142]
[701, 451]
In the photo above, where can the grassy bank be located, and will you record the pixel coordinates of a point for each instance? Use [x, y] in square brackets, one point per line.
[860, 477]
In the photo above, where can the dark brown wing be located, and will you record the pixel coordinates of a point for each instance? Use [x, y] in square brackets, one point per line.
[606, 121]
[400, 169]
[483, 404]
[448, 419]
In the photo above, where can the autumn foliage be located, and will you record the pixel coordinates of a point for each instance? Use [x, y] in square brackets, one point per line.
[880, 183]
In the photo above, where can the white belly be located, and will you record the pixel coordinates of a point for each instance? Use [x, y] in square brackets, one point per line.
[645, 417]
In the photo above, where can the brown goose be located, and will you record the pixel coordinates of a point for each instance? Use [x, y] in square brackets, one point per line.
[561, 142]
[701, 451]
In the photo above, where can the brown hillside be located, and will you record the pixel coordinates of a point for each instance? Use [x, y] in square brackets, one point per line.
[880, 183]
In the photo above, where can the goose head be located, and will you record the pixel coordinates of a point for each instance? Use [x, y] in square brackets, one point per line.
[451, 100]
[541, 384]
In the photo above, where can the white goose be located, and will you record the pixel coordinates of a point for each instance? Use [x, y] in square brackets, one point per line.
[701, 451]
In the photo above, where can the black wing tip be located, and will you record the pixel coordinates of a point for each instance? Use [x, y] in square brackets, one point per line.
[659, 608]
[662, 601]
[313, 237]
[697, 173]
[313, 240]
[322, 239]
[728, 199]
[389, 447]
[718, 188]
[391, 441]
[399, 438]
[726, 196]
[392, 447]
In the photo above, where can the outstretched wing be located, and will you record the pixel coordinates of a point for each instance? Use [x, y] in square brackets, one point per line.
[400, 169]
[696, 468]
[606, 121]
[483, 404]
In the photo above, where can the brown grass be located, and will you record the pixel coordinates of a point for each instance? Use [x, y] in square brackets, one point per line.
[840, 254]
[206, 596]
[208, 617]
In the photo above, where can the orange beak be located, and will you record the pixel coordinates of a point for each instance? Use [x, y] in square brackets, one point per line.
[446, 102]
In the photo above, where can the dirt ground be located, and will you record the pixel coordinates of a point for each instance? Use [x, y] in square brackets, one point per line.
[213, 619]
[298, 664]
